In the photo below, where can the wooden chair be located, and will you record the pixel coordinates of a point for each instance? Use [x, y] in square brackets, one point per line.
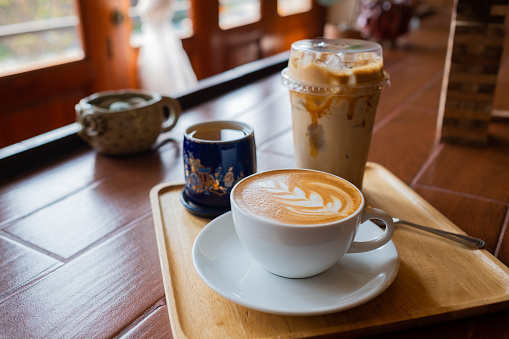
[476, 44]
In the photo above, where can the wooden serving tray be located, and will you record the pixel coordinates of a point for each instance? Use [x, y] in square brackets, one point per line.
[438, 279]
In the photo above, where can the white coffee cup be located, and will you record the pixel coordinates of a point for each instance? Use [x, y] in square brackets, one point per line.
[297, 223]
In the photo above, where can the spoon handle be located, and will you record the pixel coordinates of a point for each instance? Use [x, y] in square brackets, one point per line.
[461, 238]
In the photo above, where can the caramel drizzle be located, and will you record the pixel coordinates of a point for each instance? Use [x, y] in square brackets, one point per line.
[318, 106]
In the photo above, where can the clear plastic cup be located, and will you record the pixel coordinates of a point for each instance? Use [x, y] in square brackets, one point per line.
[335, 85]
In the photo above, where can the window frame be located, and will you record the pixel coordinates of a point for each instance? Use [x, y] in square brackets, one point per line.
[41, 100]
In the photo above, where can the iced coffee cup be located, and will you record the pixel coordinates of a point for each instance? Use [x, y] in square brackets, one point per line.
[335, 85]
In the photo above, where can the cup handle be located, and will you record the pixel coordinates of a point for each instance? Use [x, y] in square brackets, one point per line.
[171, 110]
[364, 246]
[91, 125]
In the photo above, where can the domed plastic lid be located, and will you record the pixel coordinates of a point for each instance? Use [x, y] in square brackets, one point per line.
[341, 66]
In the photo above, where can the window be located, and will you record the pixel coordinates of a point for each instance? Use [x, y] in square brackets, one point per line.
[36, 34]
[289, 7]
[234, 13]
[65, 29]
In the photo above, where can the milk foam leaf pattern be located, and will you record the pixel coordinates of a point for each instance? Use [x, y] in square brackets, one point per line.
[298, 202]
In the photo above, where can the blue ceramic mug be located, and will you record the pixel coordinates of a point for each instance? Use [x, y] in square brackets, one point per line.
[217, 154]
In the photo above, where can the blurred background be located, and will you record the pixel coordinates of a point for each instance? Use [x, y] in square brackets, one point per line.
[55, 52]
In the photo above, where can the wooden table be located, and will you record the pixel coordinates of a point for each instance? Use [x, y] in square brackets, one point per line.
[78, 255]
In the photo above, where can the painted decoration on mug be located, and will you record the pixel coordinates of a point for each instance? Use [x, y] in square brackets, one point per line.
[202, 179]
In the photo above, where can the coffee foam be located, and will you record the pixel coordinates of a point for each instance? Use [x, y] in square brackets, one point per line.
[297, 197]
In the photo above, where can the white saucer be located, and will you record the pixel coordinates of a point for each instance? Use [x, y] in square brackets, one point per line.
[223, 264]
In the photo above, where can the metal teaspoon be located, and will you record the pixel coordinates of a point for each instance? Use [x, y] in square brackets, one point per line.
[461, 238]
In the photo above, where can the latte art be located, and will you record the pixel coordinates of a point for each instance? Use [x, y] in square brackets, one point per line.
[297, 197]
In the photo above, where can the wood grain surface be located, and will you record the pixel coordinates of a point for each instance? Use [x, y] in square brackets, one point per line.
[429, 287]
